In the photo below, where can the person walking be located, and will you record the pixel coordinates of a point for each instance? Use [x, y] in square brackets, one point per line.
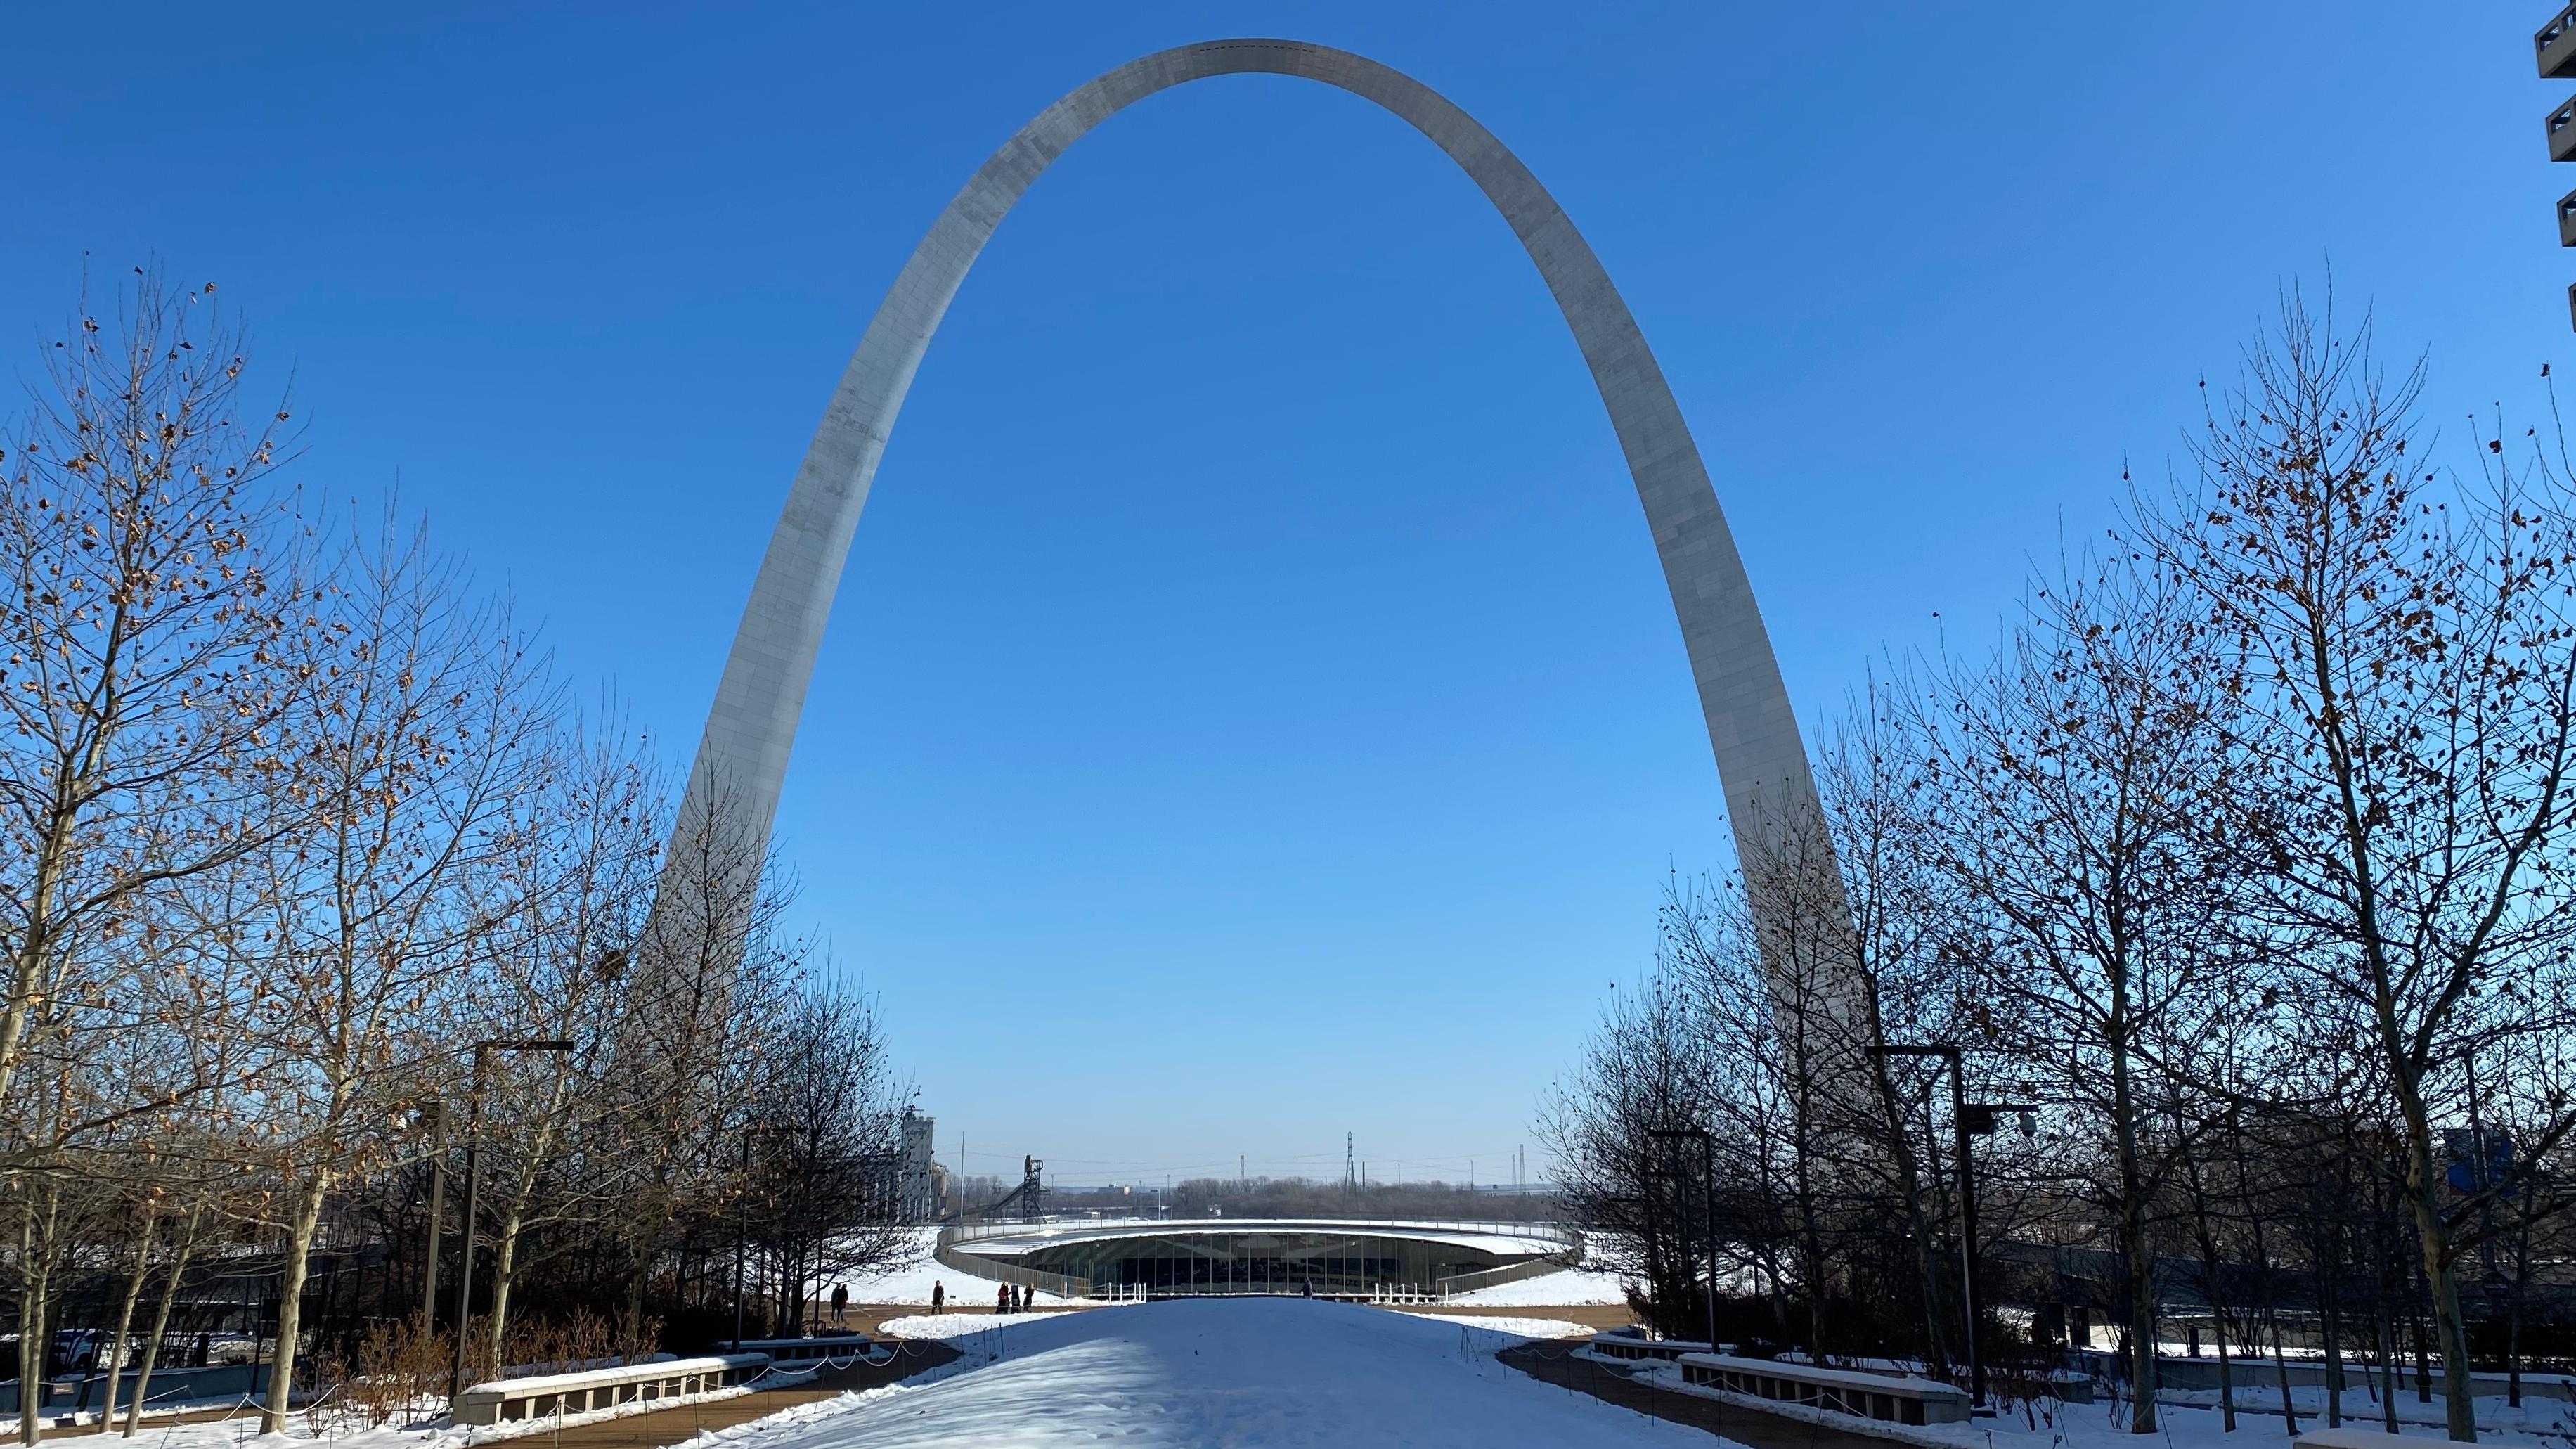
[938, 1296]
[1002, 1299]
[840, 1303]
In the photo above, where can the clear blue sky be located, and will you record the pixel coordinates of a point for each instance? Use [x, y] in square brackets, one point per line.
[1252, 712]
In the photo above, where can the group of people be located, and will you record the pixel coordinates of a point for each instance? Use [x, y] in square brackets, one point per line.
[1010, 1298]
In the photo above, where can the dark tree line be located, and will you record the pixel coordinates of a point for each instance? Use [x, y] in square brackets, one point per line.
[2238, 871]
[292, 818]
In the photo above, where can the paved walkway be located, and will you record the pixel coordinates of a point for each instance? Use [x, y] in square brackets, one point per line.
[1555, 1363]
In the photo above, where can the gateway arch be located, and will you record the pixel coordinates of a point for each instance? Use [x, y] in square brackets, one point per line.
[1770, 792]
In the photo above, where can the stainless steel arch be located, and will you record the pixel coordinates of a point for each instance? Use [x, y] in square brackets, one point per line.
[1762, 765]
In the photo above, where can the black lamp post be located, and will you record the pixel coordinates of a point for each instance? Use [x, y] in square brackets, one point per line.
[474, 1188]
[1967, 1119]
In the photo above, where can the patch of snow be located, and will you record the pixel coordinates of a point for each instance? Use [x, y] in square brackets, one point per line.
[1504, 1323]
[955, 1325]
[1200, 1371]
[1572, 1288]
[911, 1280]
[2194, 1424]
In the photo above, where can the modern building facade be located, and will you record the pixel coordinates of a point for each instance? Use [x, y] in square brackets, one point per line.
[1219, 1256]
[918, 1197]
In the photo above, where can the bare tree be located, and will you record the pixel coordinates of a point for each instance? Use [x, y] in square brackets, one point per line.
[424, 731]
[567, 906]
[2069, 783]
[2402, 653]
[145, 599]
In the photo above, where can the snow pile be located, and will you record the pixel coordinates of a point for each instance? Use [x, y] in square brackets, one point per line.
[1200, 1371]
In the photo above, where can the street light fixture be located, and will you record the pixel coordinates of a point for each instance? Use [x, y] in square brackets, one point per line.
[1708, 1171]
[474, 1188]
[1967, 1119]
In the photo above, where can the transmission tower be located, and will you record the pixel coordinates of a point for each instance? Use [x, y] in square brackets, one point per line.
[1350, 1167]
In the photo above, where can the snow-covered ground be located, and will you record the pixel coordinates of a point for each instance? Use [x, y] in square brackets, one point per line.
[911, 1281]
[956, 1325]
[2188, 1421]
[1202, 1371]
[1512, 1324]
[2550, 1420]
[1569, 1289]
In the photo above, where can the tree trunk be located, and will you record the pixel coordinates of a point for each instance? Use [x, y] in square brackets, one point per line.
[2281, 1370]
[31, 1323]
[290, 1305]
[31, 1356]
[505, 1263]
[2334, 1361]
[2388, 1372]
[1909, 1183]
[161, 1322]
[2140, 1258]
[2142, 1322]
[35, 1328]
[112, 1357]
[2226, 1380]
[2450, 1330]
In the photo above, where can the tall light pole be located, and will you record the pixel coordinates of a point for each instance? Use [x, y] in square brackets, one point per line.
[474, 1189]
[1708, 1173]
[437, 1212]
[1966, 1118]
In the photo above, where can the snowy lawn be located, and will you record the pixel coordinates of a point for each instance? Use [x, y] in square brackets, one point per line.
[2183, 1421]
[1205, 1371]
[1571, 1288]
[1514, 1325]
[912, 1280]
[957, 1325]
